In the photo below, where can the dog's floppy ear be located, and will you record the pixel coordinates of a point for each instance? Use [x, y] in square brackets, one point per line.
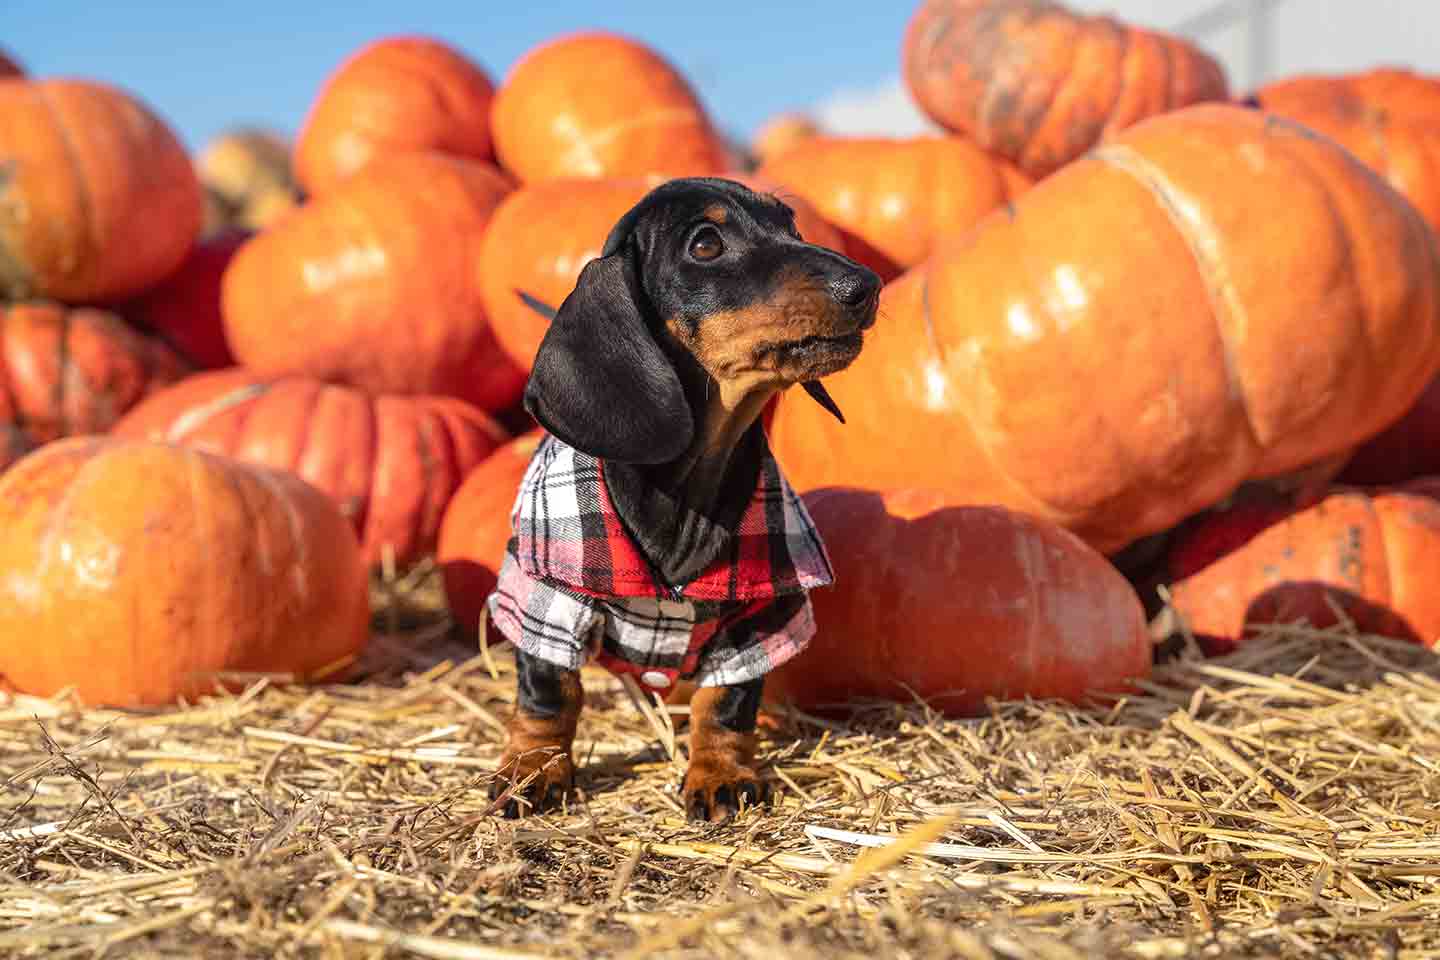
[600, 382]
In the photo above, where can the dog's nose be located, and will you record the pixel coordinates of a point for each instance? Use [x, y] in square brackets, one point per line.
[854, 287]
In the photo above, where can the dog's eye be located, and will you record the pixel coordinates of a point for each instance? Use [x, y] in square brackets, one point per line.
[706, 244]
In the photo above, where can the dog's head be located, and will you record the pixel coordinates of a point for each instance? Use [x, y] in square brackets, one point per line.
[704, 286]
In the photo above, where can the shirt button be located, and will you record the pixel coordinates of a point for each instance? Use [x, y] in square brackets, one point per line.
[655, 679]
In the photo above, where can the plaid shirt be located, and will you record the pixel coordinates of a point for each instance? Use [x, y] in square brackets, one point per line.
[574, 583]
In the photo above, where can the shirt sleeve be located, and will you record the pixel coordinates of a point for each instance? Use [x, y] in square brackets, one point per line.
[542, 620]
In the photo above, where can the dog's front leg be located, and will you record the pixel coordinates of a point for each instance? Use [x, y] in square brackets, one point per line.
[722, 751]
[541, 737]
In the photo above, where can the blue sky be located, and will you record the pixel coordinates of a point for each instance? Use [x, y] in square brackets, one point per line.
[205, 67]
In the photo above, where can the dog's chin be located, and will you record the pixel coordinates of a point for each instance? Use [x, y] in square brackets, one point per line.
[814, 357]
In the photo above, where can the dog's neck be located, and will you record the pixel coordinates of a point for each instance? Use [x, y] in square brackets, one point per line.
[683, 513]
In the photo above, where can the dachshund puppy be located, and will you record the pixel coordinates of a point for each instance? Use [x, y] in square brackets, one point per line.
[653, 530]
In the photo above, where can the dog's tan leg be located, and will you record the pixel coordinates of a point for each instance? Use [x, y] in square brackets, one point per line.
[541, 738]
[722, 752]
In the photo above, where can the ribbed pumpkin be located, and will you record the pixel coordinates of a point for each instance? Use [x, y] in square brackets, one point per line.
[67, 371]
[601, 105]
[1389, 118]
[98, 200]
[1040, 84]
[544, 233]
[375, 285]
[1372, 553]
[954, 604]
[184, 308]
[476, 528]
[135, 572]
[398, 94]
[391, 463]
[1216, 296]
[894, 198]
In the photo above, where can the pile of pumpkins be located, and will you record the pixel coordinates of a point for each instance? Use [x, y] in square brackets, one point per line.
[1136, 330]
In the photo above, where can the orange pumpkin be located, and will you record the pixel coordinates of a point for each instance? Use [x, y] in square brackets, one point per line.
[396, 95]
[893, 198]
[1033, 81]
[781, 134]
[1389, 118]
[98, 201]
[1370, 553]
[955, 604]
[375, 285]
[135, 572]
[391, 463]
[476, 529]
[601, 105]
[184, 308]
[1214, 297]
[70, 371]
[544, 233]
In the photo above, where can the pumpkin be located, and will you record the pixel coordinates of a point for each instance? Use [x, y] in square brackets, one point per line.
[955, 604]
[391, 463]
[1389, 118]
[184, 308]
[396, 95]
[544, 233]
[597, 104]
[781, 134]
[1216, 296]
[98, 201]
[137, 572]
[894, 198]
[247, 179]
[1369, 553]
[9, 67]
[476, 528]
[375, 285]
[1040, 84]
[1406, 449]
[67, 371]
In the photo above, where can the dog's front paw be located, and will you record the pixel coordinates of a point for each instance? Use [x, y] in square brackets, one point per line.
[715, 786]
[551, 779]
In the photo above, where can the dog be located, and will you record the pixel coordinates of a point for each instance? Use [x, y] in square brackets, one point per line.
[653, 530]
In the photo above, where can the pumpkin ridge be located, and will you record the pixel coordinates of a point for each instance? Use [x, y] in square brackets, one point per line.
[1037, 124]
[305, 418]
[63, 370]
[197, 417]
[1387, 549]
[87, 201]
[1223, 299]
[1125, 46]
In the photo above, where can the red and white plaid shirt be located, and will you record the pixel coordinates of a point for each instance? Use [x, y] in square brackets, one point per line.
[574, 583]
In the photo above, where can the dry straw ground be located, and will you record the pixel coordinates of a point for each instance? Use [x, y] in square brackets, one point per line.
[1280, 802]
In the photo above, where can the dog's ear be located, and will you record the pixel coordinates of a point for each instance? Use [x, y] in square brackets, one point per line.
[601, 383]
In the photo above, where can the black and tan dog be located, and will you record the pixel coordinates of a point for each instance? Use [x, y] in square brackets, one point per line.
[653, 529]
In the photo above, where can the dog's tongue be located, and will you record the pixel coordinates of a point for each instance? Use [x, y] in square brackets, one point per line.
[822, 396]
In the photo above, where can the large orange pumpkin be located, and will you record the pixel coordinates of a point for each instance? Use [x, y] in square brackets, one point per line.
[894, 198]
[1038, 83]
[1215, 296]
[70, 371]
[1389, 118]
[544, 233]
[396, 95]
[98, 199]
[184, 308]
[1369, 553]
[476, 529]
[391, 463]
[601, 105]
[375, 285]
[135, 572]
[955, 604]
